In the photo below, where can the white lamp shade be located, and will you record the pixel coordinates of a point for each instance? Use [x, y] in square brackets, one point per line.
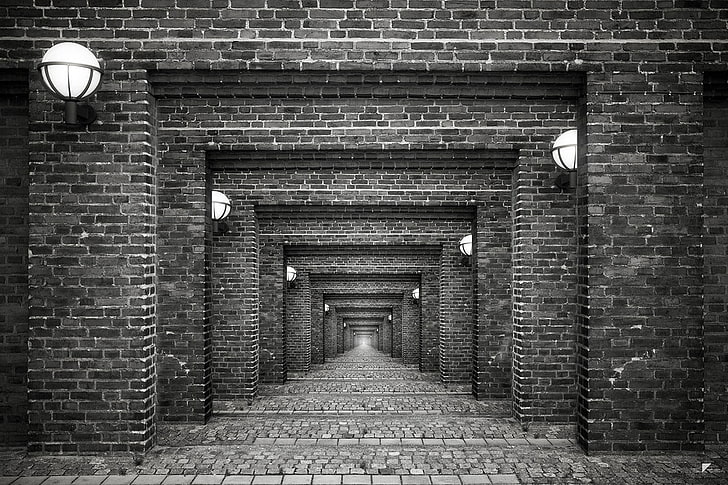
[564, 150]
[70, 71]
[220, 206]
[466, 245]
[291, 273]
[416, 293]
[326, 307]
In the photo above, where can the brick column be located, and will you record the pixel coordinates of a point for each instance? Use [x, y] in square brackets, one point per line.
[429, 351]
[716, 248]
[13, 256]
[456, 314]
[184, 324]
[387, 336]
[411, 322]
[494, 327]
[544, 292]
[298, 323]
[317, 327]
[272, 313]
[644, 347]
[339, 333]
[398, 316]
[236, 305]
[330, 333]
[92, 274]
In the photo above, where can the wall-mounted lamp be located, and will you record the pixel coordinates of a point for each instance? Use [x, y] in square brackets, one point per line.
[416, 293]
[389, 317]
[221, 206]
[291, 274]
[564, 153]
[466, 249]
[326, 307]
[71, 72]
[220, 210]
[344, 324]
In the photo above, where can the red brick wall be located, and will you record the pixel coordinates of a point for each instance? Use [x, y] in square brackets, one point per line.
[13, 257]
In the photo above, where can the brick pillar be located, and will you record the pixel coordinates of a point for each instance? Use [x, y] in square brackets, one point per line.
[339, 332]
[456, 314]
[13, 257]
[330, 333]
[184, 323]
[387, 336]
[429, 352]
[236, 304]
[298, 323]
[411, 322]
[272, 314]
[398, 317]
[544, 292]
[92, 274]
[716, 248]
[644, 348]
[494, 328]
[317, 327]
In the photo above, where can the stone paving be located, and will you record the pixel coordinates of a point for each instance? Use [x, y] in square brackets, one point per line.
[390, 425]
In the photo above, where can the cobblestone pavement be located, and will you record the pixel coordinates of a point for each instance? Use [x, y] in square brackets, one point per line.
[320, 429]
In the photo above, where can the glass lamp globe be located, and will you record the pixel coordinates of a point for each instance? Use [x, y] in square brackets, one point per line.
[291, 274]
[466, 245]
[70, 71]
[564, 150]
[416, 293]
[220, 206]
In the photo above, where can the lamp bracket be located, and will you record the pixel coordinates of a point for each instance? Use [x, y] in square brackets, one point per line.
[79, 114]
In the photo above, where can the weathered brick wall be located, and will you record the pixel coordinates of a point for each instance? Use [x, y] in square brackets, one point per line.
[651, 41]
[645, 224]
[716, 251]
[92, 273]
[544, 294]
[13, 257]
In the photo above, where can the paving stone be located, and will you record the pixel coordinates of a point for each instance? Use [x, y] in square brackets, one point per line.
[146, 480]
[238, 480]
[267, 480]
[208, 479]
[7, 480]
[508, 478]
[386, 480]
[475, 479]
[326, 480]
[29, 481]
[445, 480]
[178, 480]
[356, 480]
[297, 479]
[63, 480]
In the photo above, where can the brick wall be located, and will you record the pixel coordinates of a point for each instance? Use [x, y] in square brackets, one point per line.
[645, 284]
[640, 62]
[13, 257]
[716, 249]
[92, 274]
